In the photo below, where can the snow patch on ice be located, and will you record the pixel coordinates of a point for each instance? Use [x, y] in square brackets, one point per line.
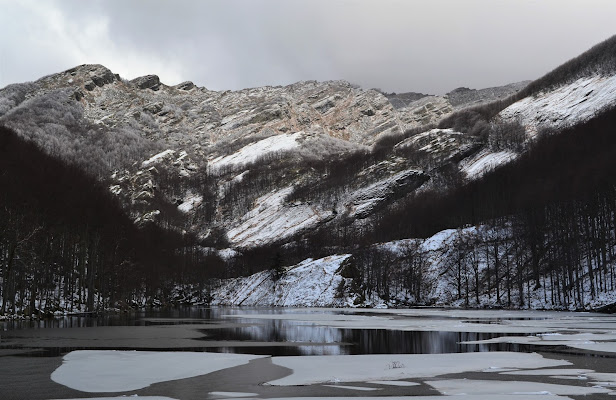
[359, 388]
[135, 397]
[362, 368]
[394, 383]
[232, 395]
[96, 371]
[455, 387]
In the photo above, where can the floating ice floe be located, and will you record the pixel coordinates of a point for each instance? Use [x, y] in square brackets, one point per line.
[230, 395]
[97, 371]
[135, 397]
[603, 342]
[362, 368]
[359, 388]
[394, 383]
[455, 387]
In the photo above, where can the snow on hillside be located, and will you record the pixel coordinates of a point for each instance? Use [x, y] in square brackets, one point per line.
[252, 152]
[364, 201]
[309, 283]
[568, 105]
[271, 219]
[485, 161]
[433, 141]
[190, 202]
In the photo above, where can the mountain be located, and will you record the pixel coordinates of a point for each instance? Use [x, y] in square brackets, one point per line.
[194, 159]
[270, 177]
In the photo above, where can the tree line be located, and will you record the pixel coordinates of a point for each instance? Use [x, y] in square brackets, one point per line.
[65, 242]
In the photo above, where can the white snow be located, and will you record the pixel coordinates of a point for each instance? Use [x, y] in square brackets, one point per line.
[252, 152]
[233, 395]
[271, 219]
[568, 105]
[394, 383]
[358, 368]
[311, 282]
[135, 397]
[190, 201]
[227, 254]
[456, 387]
[460, 397]
[433, 141]
[485, 161]
[363, 200]
[603, 342]
[157, 158]
[359, 388]
[549, 371]
[96, 371]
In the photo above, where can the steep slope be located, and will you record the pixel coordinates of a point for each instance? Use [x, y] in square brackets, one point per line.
[66, 243]
[204, 161]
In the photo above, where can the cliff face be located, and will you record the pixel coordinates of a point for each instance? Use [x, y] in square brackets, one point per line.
[225, 165]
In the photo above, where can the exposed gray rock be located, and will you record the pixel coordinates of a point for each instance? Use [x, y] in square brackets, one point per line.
[174, 134]
[401, 100]
[188, 85]
[466, 97]
[147, 82]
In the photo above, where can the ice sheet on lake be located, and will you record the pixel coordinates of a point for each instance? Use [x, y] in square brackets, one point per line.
[455, 387]
[362, 368]
[460, 397]
[359, 388]
[97, 371]
[394, 383]
[123, 398]
[549, 371]
[231, 395]
[603, 342]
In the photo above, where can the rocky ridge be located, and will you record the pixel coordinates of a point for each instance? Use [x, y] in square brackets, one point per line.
[193, 159]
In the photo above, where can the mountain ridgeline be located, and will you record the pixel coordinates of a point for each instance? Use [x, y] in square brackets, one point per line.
[118, 193]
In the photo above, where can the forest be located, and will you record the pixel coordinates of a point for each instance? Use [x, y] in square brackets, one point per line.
[66, 244]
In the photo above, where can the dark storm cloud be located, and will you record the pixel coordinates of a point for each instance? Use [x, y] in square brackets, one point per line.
[426, 45]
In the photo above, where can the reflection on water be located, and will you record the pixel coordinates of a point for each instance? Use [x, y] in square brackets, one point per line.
[273, 336]
[179, 315]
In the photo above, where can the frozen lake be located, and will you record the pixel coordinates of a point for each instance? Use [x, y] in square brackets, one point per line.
[222, 353]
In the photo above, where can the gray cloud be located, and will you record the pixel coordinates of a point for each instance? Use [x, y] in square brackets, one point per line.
[429, 46]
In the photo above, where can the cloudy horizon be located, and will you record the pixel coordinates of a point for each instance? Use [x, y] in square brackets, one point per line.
[428, 46]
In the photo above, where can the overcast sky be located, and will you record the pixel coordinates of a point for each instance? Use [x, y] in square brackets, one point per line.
[430, 46]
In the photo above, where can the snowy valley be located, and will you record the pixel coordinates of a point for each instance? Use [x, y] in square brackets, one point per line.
[364, 198]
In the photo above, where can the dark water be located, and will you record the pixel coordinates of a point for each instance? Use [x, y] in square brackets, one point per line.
[239, 335]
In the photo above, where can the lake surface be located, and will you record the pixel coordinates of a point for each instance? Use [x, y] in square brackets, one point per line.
[30, 351]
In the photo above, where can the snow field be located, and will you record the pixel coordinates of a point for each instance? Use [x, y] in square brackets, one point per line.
[485, 161]
[566, 106]
[271, 219]
[252, 152]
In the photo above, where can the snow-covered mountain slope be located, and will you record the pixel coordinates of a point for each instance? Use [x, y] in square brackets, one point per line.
[484, 161]
[273, 220]
[257, 166]
[563, 106]
[309, 283]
